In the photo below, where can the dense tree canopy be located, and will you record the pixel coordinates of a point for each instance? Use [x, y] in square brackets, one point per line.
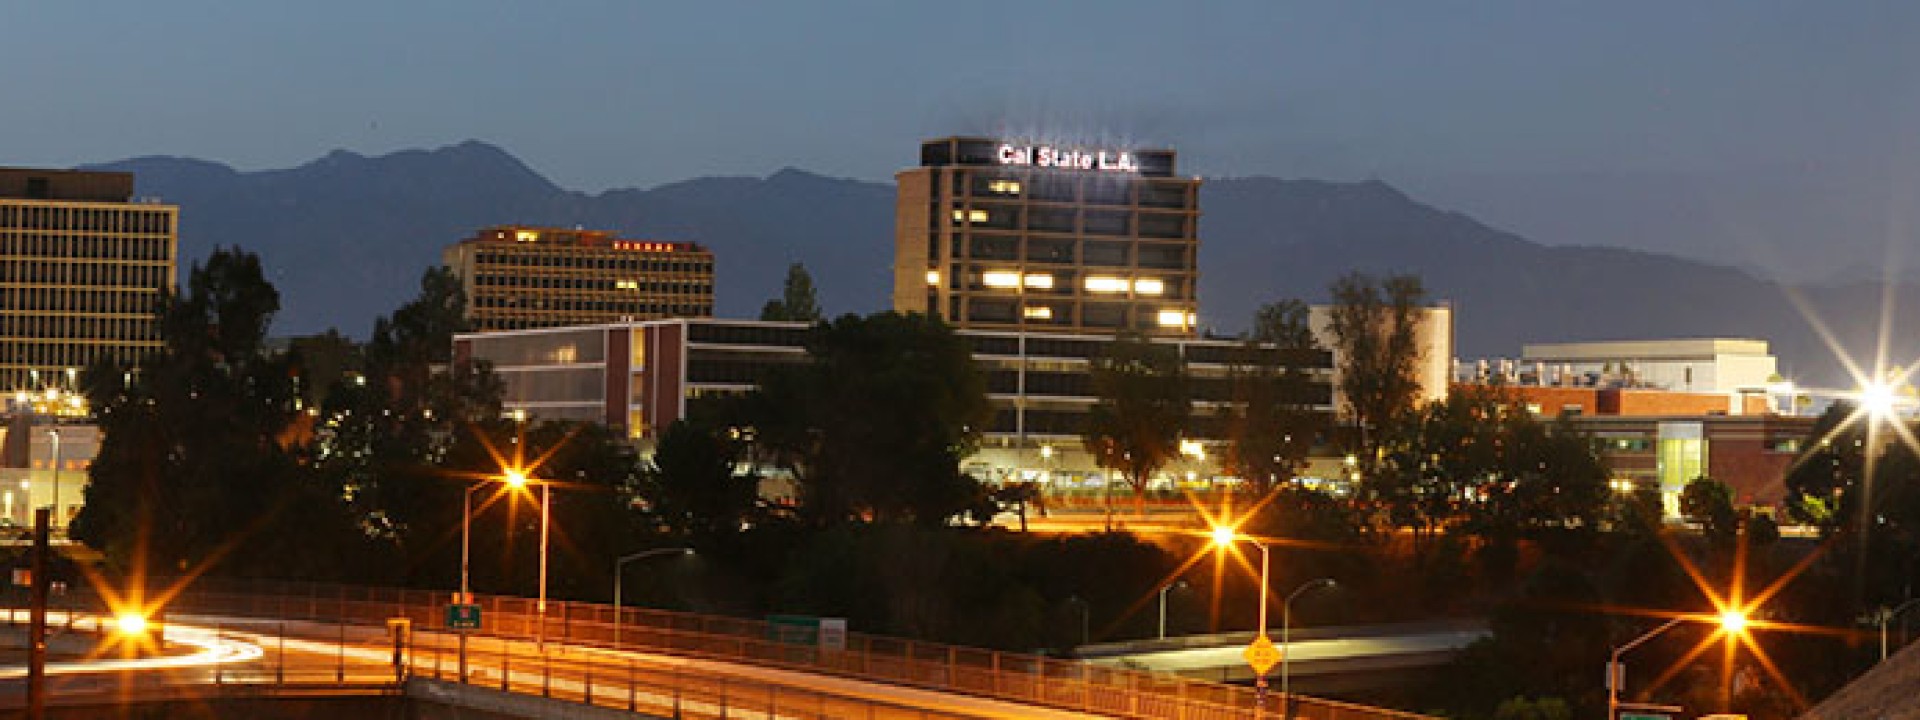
[1141, 412]
[875, 423]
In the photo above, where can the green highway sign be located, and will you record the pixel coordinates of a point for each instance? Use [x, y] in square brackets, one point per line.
[463, 617]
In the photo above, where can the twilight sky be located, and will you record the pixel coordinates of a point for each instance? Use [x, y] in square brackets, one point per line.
[1467, 104]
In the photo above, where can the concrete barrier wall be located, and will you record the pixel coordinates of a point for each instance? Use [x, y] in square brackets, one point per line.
[440, 700]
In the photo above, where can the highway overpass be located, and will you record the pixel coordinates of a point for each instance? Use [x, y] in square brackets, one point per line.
[1331, 660]
[311, 640]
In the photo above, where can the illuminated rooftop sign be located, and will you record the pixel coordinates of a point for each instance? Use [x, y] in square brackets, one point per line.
[1047, 156]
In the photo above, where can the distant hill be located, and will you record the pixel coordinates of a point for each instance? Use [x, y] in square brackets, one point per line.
[346, 237]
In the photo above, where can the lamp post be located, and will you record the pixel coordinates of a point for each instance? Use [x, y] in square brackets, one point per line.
[1163, 604]
[619, 566]
[1731, 621]
[518, 480]
[1286, 639]
[54, 434]
[1223, 537]
[1086, 612]
[1887, 616]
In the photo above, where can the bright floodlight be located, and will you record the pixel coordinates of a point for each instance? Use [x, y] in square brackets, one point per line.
[1223, 535]
[516, 478]
[131, 623]
[1877, 399]
[1733, 621]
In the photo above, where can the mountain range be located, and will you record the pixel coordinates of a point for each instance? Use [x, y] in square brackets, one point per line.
[346, 237]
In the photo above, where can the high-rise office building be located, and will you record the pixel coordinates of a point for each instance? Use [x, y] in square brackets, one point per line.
[82, 270]
[1012, 234]
[519, 277]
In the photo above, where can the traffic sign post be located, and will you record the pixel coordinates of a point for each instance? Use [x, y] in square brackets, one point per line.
[462, 616]
[1261, 655]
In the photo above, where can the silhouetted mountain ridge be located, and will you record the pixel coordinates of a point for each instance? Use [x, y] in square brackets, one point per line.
[346, 237]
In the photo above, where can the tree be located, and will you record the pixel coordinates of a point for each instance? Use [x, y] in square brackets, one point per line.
[692, 486]
[797, 302]
[1141, 411]
[194, 470]
[1284, 324]
[875, 423]
[1709, 502]
[1274, 425]
[1375, 331]
[383, 433]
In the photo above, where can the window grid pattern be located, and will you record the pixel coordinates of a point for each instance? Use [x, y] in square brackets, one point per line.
[80, 283]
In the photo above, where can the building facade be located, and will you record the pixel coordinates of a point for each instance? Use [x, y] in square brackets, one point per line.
[1711, 365]
[519, 277]
[82, 269]
[998, 234]
[641, 376]
[1665, 439]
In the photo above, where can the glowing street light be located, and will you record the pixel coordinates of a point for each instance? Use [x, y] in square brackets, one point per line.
[1224, 536]
[130, 623]
[1732, 621]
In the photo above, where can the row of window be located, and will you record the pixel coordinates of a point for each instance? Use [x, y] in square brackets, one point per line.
[1093, 315]
[19, 359]
[1068, 251]
[583, 283]
[1066, 188]
[628, 262]
[54, 216]
[53, 246]
[607, 309]
[97, 274]
[130, 301]
[1064, 220]
[81, 327]
[759, 335]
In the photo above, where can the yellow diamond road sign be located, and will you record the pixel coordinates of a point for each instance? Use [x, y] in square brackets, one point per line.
[1261, 654]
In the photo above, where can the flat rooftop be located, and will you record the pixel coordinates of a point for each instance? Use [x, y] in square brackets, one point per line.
[69, 185]
[1614, 350]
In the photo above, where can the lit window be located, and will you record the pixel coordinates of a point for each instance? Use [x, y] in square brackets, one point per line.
[1004, 187]
[627, 285]
[1149, 286]
[1106, 284]
[933, 278]
[1001, 279]
[526, 236]
[1037, 312]
[1042, 282]
[969, 215]
[1175, 318]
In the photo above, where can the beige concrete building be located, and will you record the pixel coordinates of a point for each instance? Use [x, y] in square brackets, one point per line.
[1002, 234]
[1434, 367]
[82, 269]
[519, 277]
[1705, 365]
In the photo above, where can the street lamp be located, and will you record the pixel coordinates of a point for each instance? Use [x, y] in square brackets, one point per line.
[1163, 604]
[54, 434]
[1286, 638]
[1732, 621]
[518, 480]
[1224, 537]
[1887, 616]
[1086, 614]
[619, 566]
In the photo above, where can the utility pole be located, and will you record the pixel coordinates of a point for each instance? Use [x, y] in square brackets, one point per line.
[37, 619]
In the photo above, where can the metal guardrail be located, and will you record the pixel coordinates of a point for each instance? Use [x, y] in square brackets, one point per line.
[1015, 677]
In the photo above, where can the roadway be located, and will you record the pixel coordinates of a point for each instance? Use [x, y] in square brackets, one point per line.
[221, 651]
[1357, 650]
